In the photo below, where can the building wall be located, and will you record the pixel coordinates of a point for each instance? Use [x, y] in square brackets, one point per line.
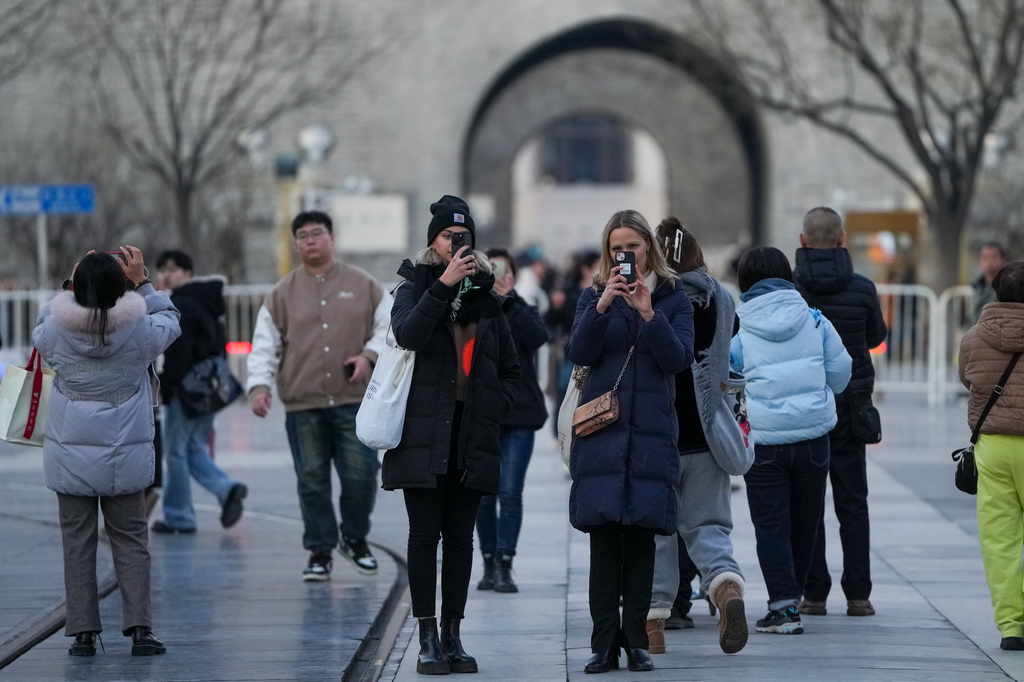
[404, 118]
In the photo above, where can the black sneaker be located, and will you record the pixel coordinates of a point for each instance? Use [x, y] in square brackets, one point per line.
[358, 552]
[232, 510]
[781, 622]
[163, 529]
[319, 568]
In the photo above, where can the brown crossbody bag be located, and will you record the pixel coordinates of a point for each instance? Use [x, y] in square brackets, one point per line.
[602, 410]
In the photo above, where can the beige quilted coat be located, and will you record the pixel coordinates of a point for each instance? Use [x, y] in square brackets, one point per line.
[985, 350]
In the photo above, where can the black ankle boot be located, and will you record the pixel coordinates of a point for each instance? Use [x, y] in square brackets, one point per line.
[639, 660]
[84, 644]
[431, 659]
[145, 644]
[487, 582]
[451, 645]
[503, 575]
[603, 662]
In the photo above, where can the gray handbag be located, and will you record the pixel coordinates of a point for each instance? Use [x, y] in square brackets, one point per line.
[729, 433]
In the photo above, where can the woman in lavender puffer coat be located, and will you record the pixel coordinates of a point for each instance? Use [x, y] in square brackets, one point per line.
[101, 338]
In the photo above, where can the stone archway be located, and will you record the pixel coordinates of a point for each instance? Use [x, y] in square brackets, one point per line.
[703, 118]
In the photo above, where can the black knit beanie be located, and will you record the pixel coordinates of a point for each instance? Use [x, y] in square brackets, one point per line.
[449, 211]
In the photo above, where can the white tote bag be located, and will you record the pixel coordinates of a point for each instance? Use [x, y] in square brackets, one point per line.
[24, 397]
[569, 404]
[381, 415]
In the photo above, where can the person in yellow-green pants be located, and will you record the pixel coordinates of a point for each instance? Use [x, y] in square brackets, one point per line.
[985, 353]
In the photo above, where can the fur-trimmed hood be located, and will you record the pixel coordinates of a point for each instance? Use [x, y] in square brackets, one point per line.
[79, 322]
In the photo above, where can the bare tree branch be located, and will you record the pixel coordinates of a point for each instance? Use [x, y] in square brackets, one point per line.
[22, 24]
[176, 81]
[940, 74]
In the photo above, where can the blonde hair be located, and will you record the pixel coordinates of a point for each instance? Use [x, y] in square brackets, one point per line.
[655, 257]
[429, 256]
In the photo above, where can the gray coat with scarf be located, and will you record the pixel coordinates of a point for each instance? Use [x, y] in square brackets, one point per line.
[99, 425]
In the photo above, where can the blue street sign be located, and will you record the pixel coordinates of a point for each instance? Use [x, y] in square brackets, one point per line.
[46, 199]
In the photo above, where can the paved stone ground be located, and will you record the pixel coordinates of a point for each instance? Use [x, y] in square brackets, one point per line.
[231, 606]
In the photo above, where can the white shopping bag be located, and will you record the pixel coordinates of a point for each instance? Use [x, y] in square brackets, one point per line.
[24, 397]
[569, 404]
[381, 415]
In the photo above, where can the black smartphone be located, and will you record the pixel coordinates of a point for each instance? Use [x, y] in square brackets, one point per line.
[627, 264]
[460, 239]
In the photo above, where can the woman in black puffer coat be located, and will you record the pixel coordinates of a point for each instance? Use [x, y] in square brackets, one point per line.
[625, 477]
[465, 380]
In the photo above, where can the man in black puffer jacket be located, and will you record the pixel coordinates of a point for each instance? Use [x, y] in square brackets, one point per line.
[824, 276]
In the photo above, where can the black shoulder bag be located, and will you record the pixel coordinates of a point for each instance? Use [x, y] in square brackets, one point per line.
[966, 477]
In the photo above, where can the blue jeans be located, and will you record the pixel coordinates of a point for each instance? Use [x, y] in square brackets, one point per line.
[318, 438]
[500, 533]
[187, 457]
[785, 491]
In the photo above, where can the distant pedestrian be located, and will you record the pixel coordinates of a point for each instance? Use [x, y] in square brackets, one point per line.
[985, 353]
[705, 508]
[317, 337]
[991, 257]
[501, 516]
[634, 337]
[200, 300]
[101, 337]
[465, 381]
[825, 278]
[794, 362]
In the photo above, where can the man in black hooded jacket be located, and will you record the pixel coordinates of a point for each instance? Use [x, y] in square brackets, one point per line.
[824, 276]
[201, 303]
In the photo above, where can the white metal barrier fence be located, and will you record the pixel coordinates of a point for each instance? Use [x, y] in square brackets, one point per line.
[919, 356]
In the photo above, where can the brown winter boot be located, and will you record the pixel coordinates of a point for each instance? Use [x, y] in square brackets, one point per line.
[727, 589]
[656, 636]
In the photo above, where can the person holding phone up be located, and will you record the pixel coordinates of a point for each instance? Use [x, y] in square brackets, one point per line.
[465, 381]
[625, 476]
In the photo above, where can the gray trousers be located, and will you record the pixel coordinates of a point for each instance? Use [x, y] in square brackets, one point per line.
[705, 522]
[124, 517]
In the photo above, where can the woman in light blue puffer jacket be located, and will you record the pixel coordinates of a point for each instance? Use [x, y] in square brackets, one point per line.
[101, 338]
[795, 363]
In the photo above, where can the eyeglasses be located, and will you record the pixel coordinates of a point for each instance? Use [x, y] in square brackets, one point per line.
[311, 235]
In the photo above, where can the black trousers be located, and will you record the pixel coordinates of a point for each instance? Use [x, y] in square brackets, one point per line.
[446, 513]
[848, 475]
[687, 572]
[621, 565]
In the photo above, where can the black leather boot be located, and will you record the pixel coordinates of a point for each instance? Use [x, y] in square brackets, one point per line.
[639, 660]
[451, 645]
[487, 582]
[431, 659]
[145, 644]
[603, 662]
[503, 575]
[84, 644]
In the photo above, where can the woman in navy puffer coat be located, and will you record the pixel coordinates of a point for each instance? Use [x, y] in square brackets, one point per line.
[98, 452]
[626, 475]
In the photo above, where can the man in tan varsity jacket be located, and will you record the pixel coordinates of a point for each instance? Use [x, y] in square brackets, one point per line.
[317, 335]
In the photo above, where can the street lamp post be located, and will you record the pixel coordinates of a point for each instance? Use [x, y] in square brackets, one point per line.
[294, 172]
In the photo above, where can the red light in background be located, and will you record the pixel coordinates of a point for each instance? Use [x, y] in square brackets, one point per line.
[874, 351]
[238, 347]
